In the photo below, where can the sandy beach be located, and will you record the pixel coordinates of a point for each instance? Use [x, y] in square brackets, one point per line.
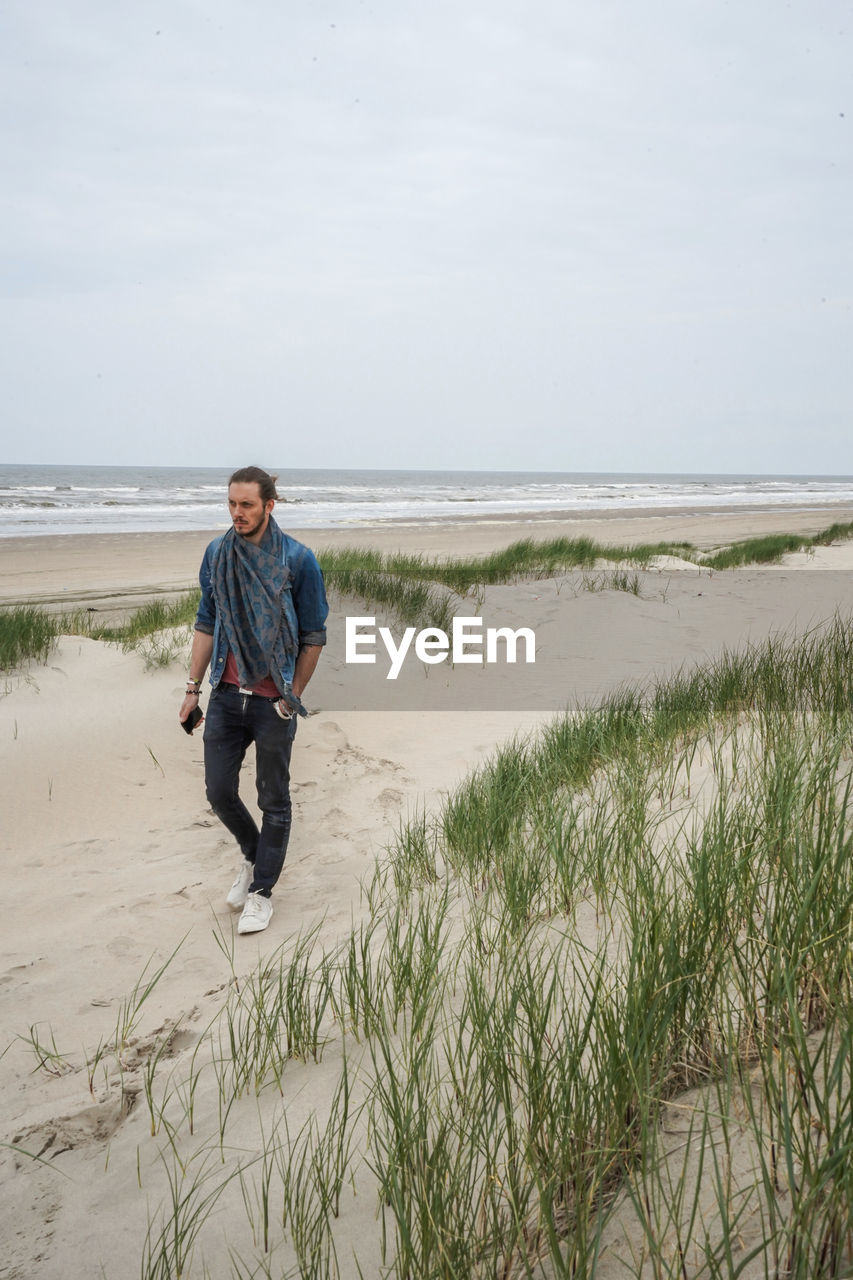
[117, 863]
[110, 572]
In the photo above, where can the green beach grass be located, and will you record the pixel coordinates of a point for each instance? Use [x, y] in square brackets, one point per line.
[419, 590]
[596, 1019]
[528, 558]
[28, 633]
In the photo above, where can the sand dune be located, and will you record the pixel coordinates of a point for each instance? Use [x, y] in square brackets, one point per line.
[112, 861]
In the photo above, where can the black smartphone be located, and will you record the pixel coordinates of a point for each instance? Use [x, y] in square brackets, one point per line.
[194, 718]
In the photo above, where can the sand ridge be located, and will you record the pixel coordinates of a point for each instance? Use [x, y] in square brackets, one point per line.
[113, 862]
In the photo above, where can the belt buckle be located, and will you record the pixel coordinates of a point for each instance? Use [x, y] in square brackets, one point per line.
[240, 689]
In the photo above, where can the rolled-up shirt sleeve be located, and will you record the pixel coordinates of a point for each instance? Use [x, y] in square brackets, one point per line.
[205, 619]
[309, 600]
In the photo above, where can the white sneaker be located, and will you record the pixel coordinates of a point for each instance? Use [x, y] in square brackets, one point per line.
[239, 890]
[257, 914]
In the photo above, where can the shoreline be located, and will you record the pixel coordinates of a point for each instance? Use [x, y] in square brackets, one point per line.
[110, 572]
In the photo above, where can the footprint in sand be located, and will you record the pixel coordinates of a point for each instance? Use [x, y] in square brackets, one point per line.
[91, 1126]
[121, 947]
[331, 734]
[13, 974]
[389, 798]
[337, 822]
[168, 1041]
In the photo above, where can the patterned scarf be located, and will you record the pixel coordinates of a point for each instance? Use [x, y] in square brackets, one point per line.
[248, 583]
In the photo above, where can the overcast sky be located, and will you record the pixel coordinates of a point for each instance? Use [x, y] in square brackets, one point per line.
[559, 234]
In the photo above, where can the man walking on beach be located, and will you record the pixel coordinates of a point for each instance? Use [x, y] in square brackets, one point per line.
[260, 627]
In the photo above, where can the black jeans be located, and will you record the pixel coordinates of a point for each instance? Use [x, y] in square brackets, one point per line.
[234, 720]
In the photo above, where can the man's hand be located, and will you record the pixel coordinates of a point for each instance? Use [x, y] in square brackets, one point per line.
[202, 651]
[188, 705]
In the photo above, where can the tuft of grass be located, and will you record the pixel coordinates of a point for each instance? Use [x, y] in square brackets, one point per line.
[29, 634]
[156, 615]
[770, 548]
[360, 570]
[26, 633]
[48, 1057]
[837, 532]
[766, 550]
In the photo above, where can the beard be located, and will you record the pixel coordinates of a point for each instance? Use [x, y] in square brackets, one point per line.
[249, 530]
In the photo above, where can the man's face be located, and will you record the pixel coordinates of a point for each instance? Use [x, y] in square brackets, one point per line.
[249, 513]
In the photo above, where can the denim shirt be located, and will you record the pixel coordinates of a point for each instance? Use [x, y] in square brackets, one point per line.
[304, 600]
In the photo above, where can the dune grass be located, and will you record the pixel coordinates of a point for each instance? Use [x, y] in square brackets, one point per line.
[159, 631]
[29, 633]
[526, 557]
[767, 550]
[531, 558]
[771, 548]
[597, 1018]
[156, 615]
[420, 590]
[26, 633]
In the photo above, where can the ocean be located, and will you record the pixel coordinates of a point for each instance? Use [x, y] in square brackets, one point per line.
[62, 499]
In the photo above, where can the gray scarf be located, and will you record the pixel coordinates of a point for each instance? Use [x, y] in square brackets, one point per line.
[248, 584]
